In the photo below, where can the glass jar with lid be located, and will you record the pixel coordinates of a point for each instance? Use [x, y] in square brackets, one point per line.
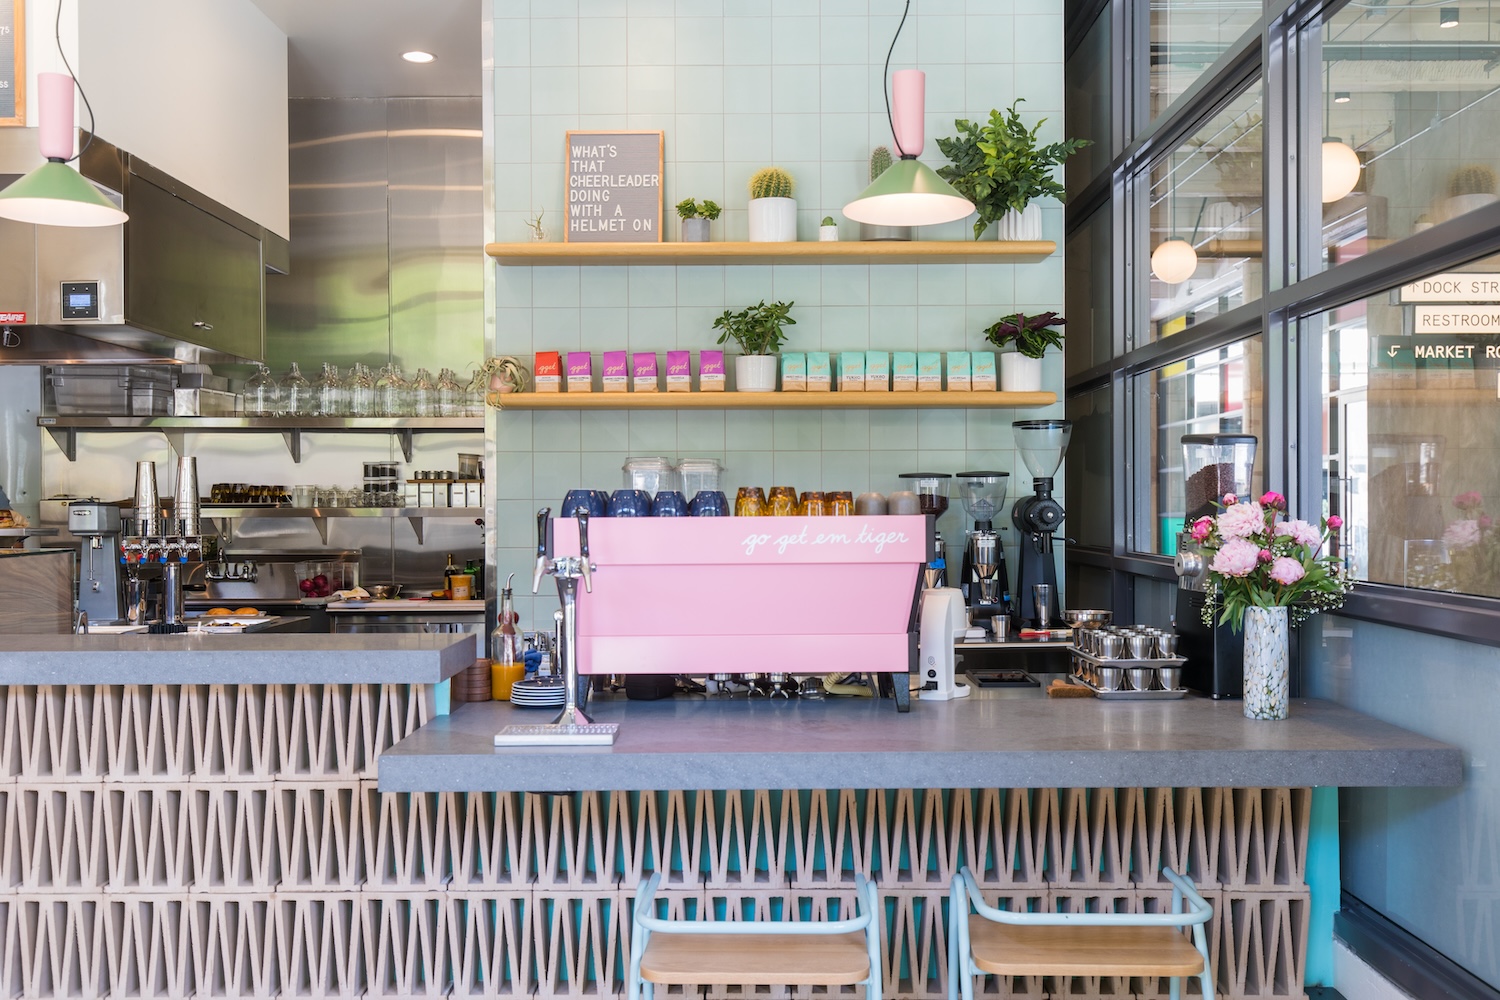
[295, 393]
[262, 395]
[449, 394]
[423, 393]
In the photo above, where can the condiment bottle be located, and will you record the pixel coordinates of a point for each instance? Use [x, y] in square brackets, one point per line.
[449, 572]
[508, 665]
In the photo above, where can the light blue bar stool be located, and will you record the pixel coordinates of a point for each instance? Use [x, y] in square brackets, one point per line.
[1012, 943]
[754, 953]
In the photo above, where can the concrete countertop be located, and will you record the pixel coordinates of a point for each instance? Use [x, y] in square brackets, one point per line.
[1010, 738]
[259, 658]
[405, 607]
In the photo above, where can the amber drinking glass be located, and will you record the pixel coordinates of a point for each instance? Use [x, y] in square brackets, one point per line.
[782, 502]
[750, 502]
[841, 503]
[814, 504]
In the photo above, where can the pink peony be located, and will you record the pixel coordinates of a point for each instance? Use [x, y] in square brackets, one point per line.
[1286, 571]
[1202, 528]
[1242, 520]
[1237, 558]
[1300, 532]
[1230, 499]
[1273, 500]
[1462, 534]
[1335, 522]
[1468, 501]
[1266, 555]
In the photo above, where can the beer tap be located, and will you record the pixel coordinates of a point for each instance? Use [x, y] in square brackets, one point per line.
[567, 570]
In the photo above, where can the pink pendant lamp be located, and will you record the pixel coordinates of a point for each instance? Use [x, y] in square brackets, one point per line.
[55, 194]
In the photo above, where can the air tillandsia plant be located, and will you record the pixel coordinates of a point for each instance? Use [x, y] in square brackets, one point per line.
[771, 182]
[1260, 558]
[687, 208]
[756, 329]
[1031, 335]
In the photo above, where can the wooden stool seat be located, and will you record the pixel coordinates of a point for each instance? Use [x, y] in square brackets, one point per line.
[757, 959]
[1020, 950]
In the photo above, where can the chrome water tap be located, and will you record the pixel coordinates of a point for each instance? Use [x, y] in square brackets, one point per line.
[567, 570]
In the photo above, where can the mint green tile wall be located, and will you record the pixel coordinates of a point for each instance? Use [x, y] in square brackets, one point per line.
[737, 85]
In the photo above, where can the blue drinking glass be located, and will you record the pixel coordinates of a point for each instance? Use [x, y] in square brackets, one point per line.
[578, 500]
[669, 503]
[709, 503]
[601, 503]
[630, 503]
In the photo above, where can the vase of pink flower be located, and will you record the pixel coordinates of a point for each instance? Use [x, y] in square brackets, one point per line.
[1268, 572]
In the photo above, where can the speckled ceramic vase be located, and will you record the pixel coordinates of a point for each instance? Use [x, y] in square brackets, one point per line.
[1267, 687]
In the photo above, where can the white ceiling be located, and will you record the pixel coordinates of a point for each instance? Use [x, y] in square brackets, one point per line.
[352, 48]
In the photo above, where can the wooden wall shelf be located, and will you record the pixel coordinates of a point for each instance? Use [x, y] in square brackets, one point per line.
[852, 252]
[766, 400]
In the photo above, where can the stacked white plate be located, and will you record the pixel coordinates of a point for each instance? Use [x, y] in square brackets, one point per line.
[540, 693]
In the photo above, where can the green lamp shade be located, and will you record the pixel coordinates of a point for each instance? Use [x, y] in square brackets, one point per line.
[55, 194]
[910, 193]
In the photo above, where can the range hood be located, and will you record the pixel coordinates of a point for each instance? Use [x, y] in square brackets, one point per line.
[183, 280]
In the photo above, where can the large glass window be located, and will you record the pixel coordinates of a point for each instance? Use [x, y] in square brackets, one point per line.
[1187, 36]
[1217, 392]
[1087, 102]
[1087, 294]
[1206, 220]
[1410, 382]
[1410, 113]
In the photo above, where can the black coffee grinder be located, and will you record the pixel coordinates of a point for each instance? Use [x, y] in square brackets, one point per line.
[983, 578]
[1042, 444]
[1214, 465]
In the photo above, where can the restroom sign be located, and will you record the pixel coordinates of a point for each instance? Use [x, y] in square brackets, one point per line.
[614, 187]
[1456, 319]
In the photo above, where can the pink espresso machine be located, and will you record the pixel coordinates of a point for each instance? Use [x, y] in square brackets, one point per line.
[802, 595]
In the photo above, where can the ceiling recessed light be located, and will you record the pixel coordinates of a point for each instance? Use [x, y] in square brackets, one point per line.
[1341, 97]
[418, 56]
[1448, 17]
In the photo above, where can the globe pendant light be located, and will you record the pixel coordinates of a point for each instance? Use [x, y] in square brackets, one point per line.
[55, 194]
[1175, 259]
[909, 193]
[1340, 169]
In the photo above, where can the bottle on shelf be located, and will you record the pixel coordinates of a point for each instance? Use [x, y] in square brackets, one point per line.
[508, 664]
[449, 572]
[262, 396]
[295, 395]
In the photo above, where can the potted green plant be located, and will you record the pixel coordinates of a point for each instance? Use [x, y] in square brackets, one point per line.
[828, 230]
[1000, 166]
[756, 330]
[880, 162]
[773, 210]
[695, 216]
[1027, 338]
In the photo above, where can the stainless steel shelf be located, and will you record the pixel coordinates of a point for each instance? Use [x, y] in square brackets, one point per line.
[64, 429]
[415, 516]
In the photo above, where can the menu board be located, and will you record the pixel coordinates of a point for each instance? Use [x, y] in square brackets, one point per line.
[614, 187]
[12, 62]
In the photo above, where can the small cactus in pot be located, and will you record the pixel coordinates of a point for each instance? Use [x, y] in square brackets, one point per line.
[880, 162]
[773, 212]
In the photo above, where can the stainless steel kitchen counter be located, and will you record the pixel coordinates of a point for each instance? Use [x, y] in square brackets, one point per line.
[1008, 738]
[263, 658]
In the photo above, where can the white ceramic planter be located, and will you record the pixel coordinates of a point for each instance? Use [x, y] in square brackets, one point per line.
[1018, 373]
[828, 234]
[695, 230]
[1023, 225]
[755, 373]
[773, 220]
[1464, 203]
